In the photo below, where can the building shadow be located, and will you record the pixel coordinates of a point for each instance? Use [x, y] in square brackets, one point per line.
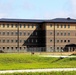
[36, 40]
[69, 48]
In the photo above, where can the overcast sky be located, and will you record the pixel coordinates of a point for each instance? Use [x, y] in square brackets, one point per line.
[37, 9]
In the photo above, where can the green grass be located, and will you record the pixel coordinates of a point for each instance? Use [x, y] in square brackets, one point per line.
[44, 73]
[24, 61]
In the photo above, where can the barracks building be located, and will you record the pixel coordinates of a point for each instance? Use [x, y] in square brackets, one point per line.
[44, 35]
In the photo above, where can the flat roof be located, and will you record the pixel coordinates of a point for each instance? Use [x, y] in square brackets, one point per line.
[21, 20]
[59, 20]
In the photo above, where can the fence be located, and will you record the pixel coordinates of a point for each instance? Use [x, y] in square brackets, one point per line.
[36, 49]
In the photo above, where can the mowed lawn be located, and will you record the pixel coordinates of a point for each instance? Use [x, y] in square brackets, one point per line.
[13, 61]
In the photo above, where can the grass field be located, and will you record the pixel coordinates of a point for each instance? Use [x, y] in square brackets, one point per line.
[15, 61]
[44, 73]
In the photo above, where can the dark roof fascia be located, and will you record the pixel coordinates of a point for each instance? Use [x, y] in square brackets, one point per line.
[22, 20]
[18, 22]
[59, 22]
[36, 22]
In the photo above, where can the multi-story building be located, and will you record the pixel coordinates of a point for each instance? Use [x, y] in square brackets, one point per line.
[44, 35]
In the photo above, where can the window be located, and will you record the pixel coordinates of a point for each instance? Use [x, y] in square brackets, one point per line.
[64, 40]
[3, 41]
[11, 47]
[3, 47]
[68, 40]
[61, 47]
[32, 40]
[64, 26]
[61, 34]
[50, 47]
[50, 33]
[16, 47]
[57, 41]
[50, 25]
[20, 33]
[36, 33]
[24, 33]
[0, 33]
[64, 34]
[20, 26]
[61, 40]
[24, 47]
[16, 40]
[7, 25]
[16, 25]
[68, 26]
[28, 26]
[50, 40]
[20, 41]
[57, 34]
[7, 41]
[24, 40]
[7, 47]
[11, 33]
[57, 47]
[24, 26]
[57, 26]
[7, 33]
[16, 33]
[28, 40]
[12, 41]
[68, 34]
[32, 26]
[61, 26]
[3, 33]
[20, 48]
[37, 26]
[12, 25]
[3, 25]
[36, 40]
[28, 33]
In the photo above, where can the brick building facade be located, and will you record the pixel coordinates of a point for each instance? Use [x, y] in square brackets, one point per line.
[52, 35]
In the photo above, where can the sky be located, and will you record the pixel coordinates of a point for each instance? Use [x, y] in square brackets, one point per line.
[37, 9]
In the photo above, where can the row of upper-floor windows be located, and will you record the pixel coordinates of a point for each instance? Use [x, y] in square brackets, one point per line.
[13, 48]
[16, 33]
[61, 33]
[57, 48]
[20, 41]
[61, 41]
[32, 25]
[61, 25]
[18, 25]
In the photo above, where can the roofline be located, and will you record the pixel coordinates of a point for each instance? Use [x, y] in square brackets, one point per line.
[59, 22]
[18, 22]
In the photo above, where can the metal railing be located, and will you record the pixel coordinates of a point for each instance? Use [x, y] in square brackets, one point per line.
[36, 49]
